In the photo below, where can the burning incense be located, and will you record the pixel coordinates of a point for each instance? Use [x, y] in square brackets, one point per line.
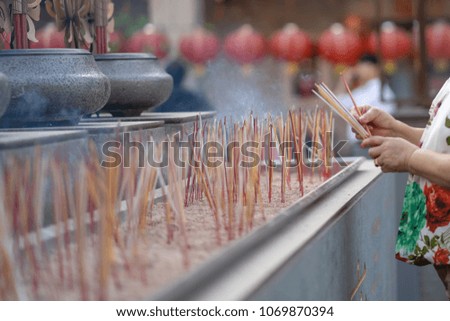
[113, 245]
[297, 152]
[314, 134]
[282, 140]
[65, 183]
[24, 228]
[174, 204]
[57, 209]
[80, 210]
[325, 146]
[39, 171]
[181, 218]
[211, 201]
[106, 225]
[270, 162]
[8, 287]
[190, 186]
[301, 139]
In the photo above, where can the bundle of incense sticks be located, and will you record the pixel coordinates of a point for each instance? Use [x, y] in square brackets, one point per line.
[330, 99]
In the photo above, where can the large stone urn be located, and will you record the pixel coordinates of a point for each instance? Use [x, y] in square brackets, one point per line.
[52, 86]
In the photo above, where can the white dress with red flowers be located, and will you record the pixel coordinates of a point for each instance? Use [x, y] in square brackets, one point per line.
[424, 231]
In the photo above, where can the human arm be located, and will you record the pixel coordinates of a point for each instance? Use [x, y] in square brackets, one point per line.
[431, 165]
[394, 154]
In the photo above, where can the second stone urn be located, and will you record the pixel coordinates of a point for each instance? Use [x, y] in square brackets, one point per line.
[138, 82]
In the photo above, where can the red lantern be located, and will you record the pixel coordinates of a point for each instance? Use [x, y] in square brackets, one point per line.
[116, 41]
[339, 45]
[395, 42]
[149, 40]
[291, 44]
[199, 47]
[49, 37]
[245, 45]
[437, 38]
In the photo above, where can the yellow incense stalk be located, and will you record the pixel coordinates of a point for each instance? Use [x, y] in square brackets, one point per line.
[297, 149]
[81, 206]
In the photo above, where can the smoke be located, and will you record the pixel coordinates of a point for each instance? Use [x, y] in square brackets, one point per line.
[31, 108]
[234, 91]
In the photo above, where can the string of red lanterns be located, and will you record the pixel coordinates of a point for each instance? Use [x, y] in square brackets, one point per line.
[339, 44]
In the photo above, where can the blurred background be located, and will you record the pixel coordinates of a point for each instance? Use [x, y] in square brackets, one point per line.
[265, 55]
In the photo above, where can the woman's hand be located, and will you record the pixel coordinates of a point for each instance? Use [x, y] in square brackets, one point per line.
[392, 154]
[378, 121]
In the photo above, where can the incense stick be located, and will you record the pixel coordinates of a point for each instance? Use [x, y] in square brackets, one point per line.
[297, 151]
[354, 102]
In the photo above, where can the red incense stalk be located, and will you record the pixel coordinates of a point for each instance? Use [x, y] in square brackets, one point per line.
[354, 102]
[297, 151]
[270, 162]
[300, 139]
[20, 24]
[283, 161]
[100, 39]
[101, 20]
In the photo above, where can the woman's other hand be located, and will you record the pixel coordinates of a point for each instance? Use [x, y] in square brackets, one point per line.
[392, 154]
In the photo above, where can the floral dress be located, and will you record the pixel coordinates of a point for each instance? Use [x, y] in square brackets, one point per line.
[424, 231]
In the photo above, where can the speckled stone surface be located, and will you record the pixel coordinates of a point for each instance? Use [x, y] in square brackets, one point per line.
[138, 82]
[52, 86]
[5, 93]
